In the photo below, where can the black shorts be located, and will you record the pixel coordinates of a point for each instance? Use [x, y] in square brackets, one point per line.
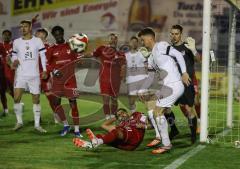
[188, 96]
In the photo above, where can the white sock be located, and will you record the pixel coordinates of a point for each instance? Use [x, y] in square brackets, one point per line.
[97, 141]
[18, 112]
[107, 117]
[37, 114]
[163, 127]
[133, 108]
[76, 128]
[65, 123]
[5, 110]
[151, 118]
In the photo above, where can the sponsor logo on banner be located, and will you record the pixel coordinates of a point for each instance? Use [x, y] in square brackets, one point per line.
[26, 6]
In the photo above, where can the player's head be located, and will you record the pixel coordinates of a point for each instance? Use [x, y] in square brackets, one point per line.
[113, 40]
[26, 27]
[122, 114]
[133, 42]
[58, 34]
[176, 34]
[6, 35]
[42, 34]
[147, 36]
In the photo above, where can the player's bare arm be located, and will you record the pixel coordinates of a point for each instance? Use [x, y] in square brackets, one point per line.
[108, 125]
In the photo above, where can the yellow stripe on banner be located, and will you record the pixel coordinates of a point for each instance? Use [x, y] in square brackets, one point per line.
[27, 6]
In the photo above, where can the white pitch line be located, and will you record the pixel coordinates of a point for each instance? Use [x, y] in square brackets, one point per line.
[178, 162]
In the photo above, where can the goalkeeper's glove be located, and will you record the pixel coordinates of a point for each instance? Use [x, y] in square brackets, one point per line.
[56, 73]
[144, 51]
[190, 44]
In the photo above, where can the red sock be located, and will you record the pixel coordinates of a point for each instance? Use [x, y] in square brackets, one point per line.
[198, 109]
[114, 108]
[4, 99]
[109, 137]
[60, 112]
[184, 111]
[75, 115]
[106, 109]
[114, 105]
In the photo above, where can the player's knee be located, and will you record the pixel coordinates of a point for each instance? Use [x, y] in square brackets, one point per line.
[36, 99]
[17, 98]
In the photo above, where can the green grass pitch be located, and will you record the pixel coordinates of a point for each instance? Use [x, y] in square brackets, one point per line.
[27, 149]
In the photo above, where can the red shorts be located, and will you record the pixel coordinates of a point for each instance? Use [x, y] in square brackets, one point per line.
[110, 87]
[9, 74]
[195, 84]
[64, 88]
[132, 139]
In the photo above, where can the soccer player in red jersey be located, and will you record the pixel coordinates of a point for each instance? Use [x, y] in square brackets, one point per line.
[45, 83]
[7, 78]
[110, 75]
[127, 135]
[61, 64]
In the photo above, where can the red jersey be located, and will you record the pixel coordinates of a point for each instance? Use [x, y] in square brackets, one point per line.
[60, 57]
[7, 47]
[133, 136]
[111, 60]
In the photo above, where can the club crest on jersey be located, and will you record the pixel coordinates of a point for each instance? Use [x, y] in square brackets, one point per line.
[183, 52]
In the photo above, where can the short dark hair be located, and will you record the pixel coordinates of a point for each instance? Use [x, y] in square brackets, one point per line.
[113, 34]
[134, 37]
[57, 28]
[43, 30]
[146, 31]
[179, 27]
[121, 109]
[26, 21]
[6, 30]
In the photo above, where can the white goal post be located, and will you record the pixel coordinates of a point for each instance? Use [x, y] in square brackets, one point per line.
[230, 59]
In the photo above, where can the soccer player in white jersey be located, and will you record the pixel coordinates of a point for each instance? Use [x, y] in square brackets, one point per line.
[25, 58]
[136, 72]
[171, 88]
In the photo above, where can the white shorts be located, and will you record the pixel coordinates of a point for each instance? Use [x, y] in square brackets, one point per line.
[135, 87]
[177, 91]
[31, 83]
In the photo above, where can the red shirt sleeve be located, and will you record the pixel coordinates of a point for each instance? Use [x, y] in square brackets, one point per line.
[98, 52]
[122, 58]
[50, 60]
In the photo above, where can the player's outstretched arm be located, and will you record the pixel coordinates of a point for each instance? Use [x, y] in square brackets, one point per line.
[108, 124]
[191, 45]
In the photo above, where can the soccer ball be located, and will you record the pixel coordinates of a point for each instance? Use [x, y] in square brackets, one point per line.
[144, 51]
[78, 42]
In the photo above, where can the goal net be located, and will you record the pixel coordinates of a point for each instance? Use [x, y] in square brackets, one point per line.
[224, 73]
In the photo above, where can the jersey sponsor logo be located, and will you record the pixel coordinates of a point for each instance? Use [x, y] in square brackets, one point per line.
[56, 53]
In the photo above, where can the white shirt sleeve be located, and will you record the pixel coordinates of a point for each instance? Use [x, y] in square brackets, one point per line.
[14, 52]
[150, 62]
[42, 52]
[178, 55]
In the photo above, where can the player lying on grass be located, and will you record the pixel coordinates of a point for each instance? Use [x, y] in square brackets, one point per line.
[126, 135]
